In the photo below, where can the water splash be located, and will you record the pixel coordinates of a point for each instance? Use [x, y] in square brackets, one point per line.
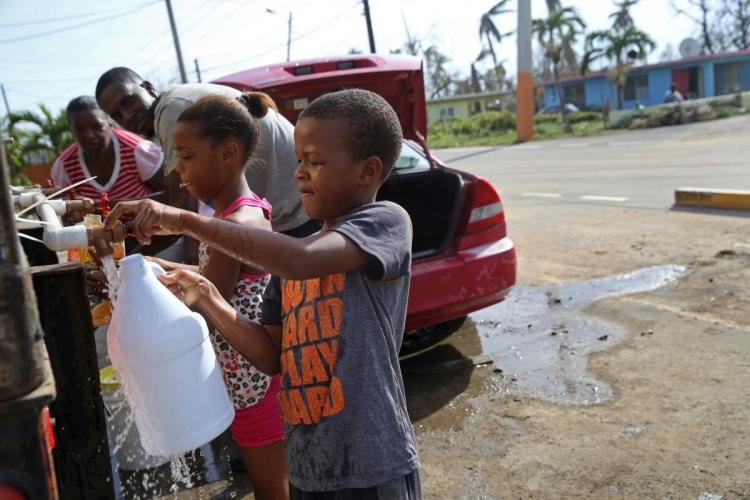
[180, 472]
[113, 278]
[540, 338]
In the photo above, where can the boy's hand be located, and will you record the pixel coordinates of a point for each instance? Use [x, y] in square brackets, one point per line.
[189, 286]
[151, 218]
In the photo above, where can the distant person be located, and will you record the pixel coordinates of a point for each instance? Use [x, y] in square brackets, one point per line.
[673, 95]
[125, 165]
[135, 104]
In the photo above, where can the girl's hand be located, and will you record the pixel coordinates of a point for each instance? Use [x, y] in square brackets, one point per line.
[151, 218]
[190, 287]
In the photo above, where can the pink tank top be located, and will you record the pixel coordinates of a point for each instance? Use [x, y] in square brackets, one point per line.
[246, 384]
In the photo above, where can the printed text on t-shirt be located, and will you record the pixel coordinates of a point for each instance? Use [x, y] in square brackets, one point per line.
[312, 314]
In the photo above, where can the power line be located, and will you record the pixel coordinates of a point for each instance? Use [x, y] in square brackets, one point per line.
[63, 18]
[298, 37]
[46, 81]
[79, 25]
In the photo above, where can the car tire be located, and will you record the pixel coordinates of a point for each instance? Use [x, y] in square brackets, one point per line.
[418, 341]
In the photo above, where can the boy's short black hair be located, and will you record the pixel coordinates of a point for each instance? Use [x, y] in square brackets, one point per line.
[118, 74]
[83, 103]
[374, 128]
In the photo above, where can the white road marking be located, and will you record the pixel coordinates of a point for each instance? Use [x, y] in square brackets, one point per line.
[575, 145]
[591, 197]
[542, 195]
[527, 146]
[625, 143]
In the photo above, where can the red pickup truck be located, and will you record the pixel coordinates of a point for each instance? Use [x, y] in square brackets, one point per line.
[463, 259]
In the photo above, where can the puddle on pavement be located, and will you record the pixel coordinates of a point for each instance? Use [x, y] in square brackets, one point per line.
[540, 337]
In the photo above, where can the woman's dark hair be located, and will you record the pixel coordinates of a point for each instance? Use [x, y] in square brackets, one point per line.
[219, 117]
[84, 103]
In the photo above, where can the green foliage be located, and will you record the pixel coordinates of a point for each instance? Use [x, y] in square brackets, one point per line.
[585, 116]
[548, 118]
[558, 31]
[47, 136]
[489, 34]
[499, 127]
[617, 44]
[42, 135]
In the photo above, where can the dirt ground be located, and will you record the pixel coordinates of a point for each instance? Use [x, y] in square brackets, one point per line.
[676, 425]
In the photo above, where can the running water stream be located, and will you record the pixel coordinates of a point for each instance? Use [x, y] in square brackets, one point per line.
[113, 278]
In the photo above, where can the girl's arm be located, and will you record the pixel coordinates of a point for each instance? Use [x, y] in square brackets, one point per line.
[261, 345]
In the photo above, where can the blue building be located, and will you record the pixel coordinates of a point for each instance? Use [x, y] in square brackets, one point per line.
[701, 76]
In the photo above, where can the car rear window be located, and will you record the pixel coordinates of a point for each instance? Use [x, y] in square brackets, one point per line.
[410, 158]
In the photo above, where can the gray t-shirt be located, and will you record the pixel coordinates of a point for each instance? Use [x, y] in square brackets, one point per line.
[342, 395]
[270, 171]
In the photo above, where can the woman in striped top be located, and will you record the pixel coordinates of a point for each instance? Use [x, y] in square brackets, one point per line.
[125, 165]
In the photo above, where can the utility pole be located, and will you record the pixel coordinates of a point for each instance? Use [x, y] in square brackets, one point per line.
[289, 37]
[197, 70]
[369, 26]
[525, 79]
[5, 100]
[176, 39]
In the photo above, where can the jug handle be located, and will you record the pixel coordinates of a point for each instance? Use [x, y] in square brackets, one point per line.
[156, 269]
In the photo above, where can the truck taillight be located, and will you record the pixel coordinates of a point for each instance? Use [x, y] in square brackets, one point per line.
[486, 218]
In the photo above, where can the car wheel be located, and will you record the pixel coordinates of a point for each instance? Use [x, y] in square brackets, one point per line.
[422, 340]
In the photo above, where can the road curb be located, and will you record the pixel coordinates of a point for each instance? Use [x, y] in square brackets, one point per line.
[727, 199]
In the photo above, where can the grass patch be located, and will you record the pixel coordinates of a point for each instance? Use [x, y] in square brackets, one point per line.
[499, 127]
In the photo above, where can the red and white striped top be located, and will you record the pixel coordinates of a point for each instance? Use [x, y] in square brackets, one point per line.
[136, 161]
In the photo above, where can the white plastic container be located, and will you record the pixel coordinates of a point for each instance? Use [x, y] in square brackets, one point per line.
[164, 358]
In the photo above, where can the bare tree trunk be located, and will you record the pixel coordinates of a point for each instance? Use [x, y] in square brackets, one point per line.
[705, 28]
[494, 62]
[743, 24]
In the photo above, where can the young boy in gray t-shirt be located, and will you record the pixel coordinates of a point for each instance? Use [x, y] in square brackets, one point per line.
[333, 320]
[342, 395]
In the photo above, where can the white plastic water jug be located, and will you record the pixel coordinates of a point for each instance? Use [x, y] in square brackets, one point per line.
[163, 355]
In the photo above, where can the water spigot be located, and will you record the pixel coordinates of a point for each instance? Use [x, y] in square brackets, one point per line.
[101, 238]
[77, 209]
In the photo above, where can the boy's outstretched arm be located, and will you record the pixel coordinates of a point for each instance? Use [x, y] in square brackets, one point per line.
[321, 254]
[260, 344]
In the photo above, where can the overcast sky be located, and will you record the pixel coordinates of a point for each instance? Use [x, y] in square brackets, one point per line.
[54, 50]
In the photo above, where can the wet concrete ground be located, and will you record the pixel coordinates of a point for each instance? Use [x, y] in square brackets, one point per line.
[654, 410]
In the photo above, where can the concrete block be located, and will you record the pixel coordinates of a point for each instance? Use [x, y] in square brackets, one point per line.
[727, 199]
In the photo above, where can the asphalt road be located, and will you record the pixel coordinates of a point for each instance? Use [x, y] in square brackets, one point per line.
[640, 168]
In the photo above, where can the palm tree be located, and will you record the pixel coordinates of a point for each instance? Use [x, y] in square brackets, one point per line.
[439, 79]
[561, 28]
[48, 137]
[621, 18]
[489, 32]
[621, 47]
